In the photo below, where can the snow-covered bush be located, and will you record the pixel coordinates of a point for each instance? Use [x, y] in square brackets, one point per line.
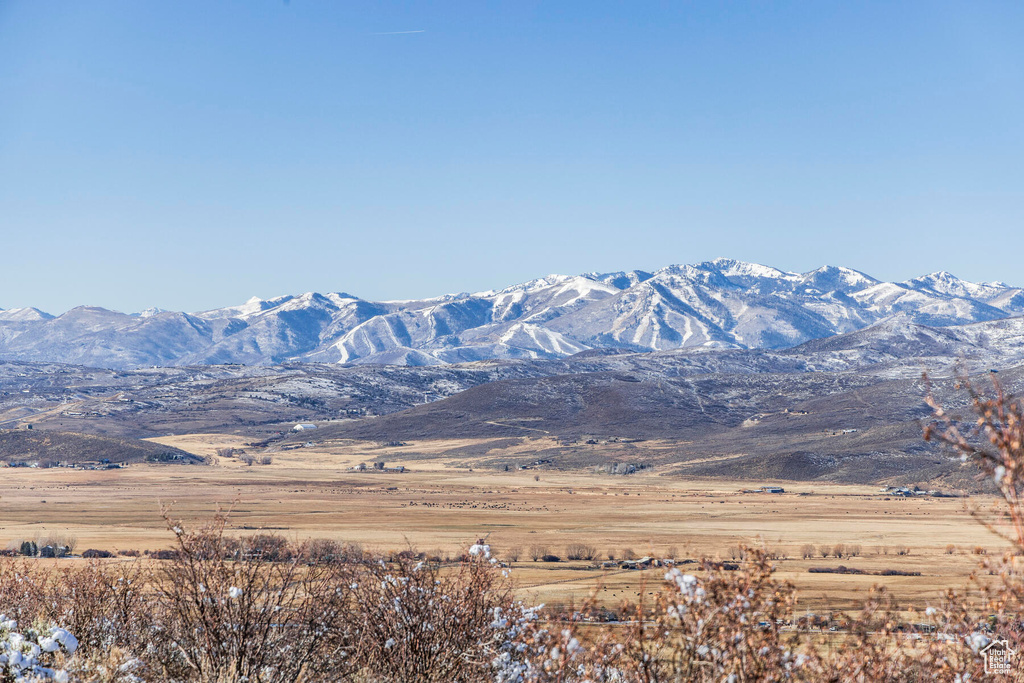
[35, 654]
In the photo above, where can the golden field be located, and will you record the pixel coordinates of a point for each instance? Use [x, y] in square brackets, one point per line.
[442, 505]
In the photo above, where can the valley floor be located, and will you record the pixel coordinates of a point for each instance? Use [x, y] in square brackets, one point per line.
[440, 508]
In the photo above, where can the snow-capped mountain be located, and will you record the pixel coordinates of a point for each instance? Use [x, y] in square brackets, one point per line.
[24, 315]
[715, 304]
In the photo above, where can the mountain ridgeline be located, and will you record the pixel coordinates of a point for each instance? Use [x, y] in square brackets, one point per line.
[721, 304]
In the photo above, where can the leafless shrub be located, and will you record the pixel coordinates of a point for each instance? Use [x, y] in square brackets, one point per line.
[249, 460]
[610, 554]
[980, 550]
[354, 552]
[24, 589]
[104, 605]
[325, 551]
[420, 624]
[897, 572]
[404, 554]
[537, 551]
[268, 547]
[807, 551]
[839, 551]
[902, 550]
[107, 604]
[950, 549]
[853, 550]
[250, 618]
[513, 553]
[266, 460]
[628, 554]
[825, 550]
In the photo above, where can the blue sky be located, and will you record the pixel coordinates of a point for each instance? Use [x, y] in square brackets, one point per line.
[189, 155]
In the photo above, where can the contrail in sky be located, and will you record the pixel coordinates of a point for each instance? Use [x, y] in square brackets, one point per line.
[397, 33]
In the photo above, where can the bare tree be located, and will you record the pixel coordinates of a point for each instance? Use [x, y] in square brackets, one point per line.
[580, 551]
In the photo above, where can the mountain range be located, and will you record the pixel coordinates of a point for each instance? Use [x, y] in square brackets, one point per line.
[720, 304]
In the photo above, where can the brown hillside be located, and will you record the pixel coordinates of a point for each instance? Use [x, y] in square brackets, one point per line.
[72, 448]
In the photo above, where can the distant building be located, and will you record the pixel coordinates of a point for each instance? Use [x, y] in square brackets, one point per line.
[301, 427]
[773, 489]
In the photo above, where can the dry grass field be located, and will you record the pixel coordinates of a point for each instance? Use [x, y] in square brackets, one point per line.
[441, 505]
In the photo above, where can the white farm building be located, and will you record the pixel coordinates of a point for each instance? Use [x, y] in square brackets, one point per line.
[301, 427]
